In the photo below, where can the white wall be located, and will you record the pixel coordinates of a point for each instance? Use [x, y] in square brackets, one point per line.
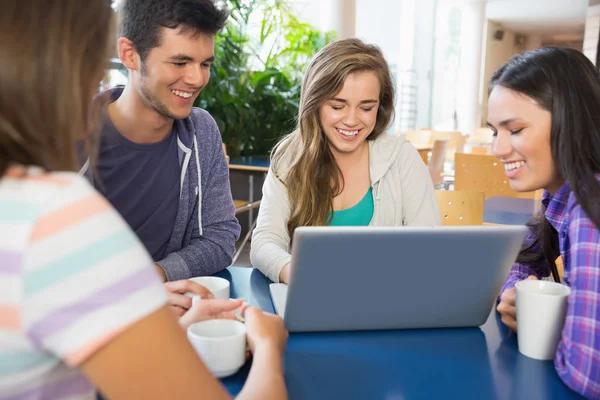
[377, 21]
[404, 30]
[308, 11]
[339, 16]
[592, 27]
[533, 42]
[423, 56]
[474, 26]
[573, 44]
[497, 52]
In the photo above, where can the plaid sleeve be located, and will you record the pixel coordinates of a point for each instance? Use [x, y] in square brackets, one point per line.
[577, 359]
[520, 271]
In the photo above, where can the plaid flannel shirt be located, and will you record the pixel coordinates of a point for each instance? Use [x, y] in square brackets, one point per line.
[577, 359]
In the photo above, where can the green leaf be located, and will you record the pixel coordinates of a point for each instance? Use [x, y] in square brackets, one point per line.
[255, 102]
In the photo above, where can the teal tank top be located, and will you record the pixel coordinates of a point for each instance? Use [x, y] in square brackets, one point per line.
[358, 215]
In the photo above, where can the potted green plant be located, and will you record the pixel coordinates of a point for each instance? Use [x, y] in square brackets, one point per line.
[255, 82]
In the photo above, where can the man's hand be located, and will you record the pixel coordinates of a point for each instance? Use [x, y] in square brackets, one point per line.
[178, 301]
[161, 272]
[508, 306]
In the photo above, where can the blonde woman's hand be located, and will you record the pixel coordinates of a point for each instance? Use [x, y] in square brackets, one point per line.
[284, 274]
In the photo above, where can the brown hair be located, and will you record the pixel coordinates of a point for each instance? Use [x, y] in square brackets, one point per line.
[565, 83]
[312, 176]
[52, 58]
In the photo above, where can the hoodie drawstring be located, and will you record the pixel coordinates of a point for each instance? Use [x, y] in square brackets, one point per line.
[199, 187]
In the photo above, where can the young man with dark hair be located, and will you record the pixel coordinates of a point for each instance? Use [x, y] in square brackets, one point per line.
[161, 161]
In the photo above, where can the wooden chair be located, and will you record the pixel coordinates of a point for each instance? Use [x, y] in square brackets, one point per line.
[225, 151]
[479, 150]
[436, 163]
[424, 156]
[240, 207]
[456, 142]
[460, 207]
[419, 138]
[482, 136]
[485, 173]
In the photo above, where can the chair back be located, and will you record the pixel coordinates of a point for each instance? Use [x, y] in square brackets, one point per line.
[419, 138]
[460, 207]
[225, 152]
[485, 173]
[436, 163]
[479, 150]
[456, 142]
[482, 136]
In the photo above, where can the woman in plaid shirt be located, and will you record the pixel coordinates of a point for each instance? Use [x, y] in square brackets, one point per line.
[544, 109]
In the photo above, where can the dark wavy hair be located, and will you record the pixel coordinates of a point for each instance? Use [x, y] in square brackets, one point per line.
[143, 19]
[565, 83]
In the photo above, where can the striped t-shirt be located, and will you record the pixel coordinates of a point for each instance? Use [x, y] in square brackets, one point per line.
[72, 276]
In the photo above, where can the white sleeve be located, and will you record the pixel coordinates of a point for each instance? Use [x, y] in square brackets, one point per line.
[419, 207]
[269, 250]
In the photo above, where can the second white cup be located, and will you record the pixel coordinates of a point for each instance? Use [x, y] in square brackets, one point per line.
[218, 286]
[541, 312]
[221, 344]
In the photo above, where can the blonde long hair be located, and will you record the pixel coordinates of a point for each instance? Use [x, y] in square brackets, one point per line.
[52, 58]
[303, 160]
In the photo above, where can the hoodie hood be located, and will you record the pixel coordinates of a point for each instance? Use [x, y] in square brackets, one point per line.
[383, 153]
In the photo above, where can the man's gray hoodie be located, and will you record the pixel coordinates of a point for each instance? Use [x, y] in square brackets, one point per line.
[206, 229]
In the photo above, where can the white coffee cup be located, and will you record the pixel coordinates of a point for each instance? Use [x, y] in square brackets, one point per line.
[541, 312]
[221, 344]
[218, 286]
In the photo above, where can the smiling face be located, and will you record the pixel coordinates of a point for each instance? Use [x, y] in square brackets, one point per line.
[348, 117]
[522, 140]
[175, 72]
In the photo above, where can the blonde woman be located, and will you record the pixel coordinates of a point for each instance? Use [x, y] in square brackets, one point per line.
[339, 167]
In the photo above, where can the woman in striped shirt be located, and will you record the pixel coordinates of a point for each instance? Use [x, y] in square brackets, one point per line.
[81, 305]
[544, 108]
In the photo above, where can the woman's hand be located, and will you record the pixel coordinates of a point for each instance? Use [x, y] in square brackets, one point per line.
[508, 307]
[264, 329]
[211, 309]
[284, 274]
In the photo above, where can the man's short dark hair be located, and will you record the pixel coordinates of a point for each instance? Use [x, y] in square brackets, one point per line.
[143, 20]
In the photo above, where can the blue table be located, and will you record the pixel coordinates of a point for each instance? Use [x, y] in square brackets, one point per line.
[468, 363]
[508, 210]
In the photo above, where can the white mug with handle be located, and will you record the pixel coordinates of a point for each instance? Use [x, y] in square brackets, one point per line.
[221, 344]
[219, 287]
[541, 313]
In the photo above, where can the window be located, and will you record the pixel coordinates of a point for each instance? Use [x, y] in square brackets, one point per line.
[445, 90]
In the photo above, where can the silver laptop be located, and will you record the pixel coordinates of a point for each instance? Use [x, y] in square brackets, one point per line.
[366, 278]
